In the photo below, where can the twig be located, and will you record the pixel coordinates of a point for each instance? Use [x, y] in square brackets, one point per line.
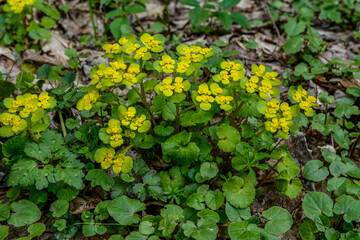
[274, 24]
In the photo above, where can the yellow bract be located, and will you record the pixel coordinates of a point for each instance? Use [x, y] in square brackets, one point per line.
[107, 158]
[86, 103]
[305, 101]
[167, 64]
[231, 72]
[17, 6]
[114, 130]
[14, 121]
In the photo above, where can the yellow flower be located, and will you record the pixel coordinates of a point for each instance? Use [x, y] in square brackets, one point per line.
[13, 105]
[45, 101]
[183, 65]
[204, 97]
[6, 118]
[192, 53]
[284, 124]
[215, 89]
[258, 70]
[224, 102]
[116, 65]
[137, 122]
[130, 77]
[114, 130]
[286, 111]
[270, 76]
[142, 53]
[18, 124]
[252, 84]
[167, 64]
[129, 47]
[86, 103]
[130, 114]
[265, 89]
[152, 43]
[180, 85]
[123, 40]
[272, 107]
[223, 77]
[29, 107]
[107, 157]
[166, 88]
[272, 126]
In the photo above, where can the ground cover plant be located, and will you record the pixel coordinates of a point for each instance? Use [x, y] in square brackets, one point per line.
[161, 137]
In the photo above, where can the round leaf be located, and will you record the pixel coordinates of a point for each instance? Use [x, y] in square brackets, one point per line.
[280, 220]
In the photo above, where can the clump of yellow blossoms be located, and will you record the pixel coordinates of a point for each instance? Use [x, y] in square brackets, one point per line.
[22, 107]
[262, 82]
[107, 157]
[112, 134]
[305, 101]
[17, 6]
[232, 72]
[205, 96]
[170, 87]
[87, 102]
[133, 120]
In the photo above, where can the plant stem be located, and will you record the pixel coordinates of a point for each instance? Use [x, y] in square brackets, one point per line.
[195, 79]
[187, 109]
[177, 118]
[62, 123]
[111, 103]
[90, 2]
[236, 112]
[143, 100]
[127, 148]
[326, 113]
[32, 134]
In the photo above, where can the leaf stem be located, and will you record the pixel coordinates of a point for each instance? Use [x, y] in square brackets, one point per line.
[32, 134]
[196, 81]
[187, 109]
[62, 123]
[236, 112]
[177, 118]
[90, 2]
[127, 148]
[143, 100]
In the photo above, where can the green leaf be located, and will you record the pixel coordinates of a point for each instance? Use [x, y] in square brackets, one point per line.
[230, 137]
[71, 123]
[237, 214]
[48, 10]
[24, 81]
[47, 22]
[6, 88]
[208, 170]
[348, 206]
[227, 4]
[314, 171]
[15, 146]
[38, 151]
[194, 3]
[163, 131]
[4, 211]
[214, 199]
[115, 27]
[4, 232]
[134, 8]
[325, 98]
[123, 210]
[195, 201]
[60, 224]
[294, 28]
[36, 229]
[225, 20]
[59, 208]
[179, 149]
[39, 34]
[146, 228]
[205, 229]
[157, 27]
[169, 111]
[26, 212]
[322, 223]
[69, 77]
[171, 215]
[307, 230]
[293, 45]
[99, 177]
[239, 193]
[353, 91]
[280, 220]
[198, 15]
[316, 204]
[44, 71]
[243, 231]
[241, 20]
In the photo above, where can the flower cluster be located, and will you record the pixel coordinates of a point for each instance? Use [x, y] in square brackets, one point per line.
[169, 87]
[305, 100]
[22, 107]
[205, 96]
[231, 72]
[87, 102]
[107, 157]
[113, 132]
[193, 53]
[280, 116]
[17, 6]
[262, 82]
[133, 119]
